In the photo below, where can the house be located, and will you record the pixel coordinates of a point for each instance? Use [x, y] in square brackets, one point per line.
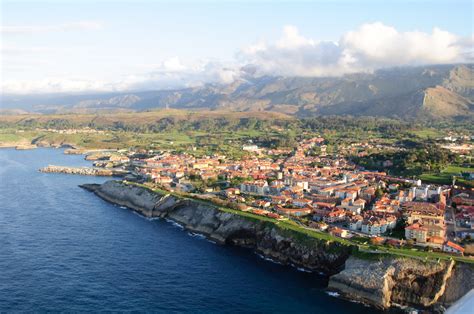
[278, 200]
[426, 213]
[368, 193]
[422, 233]
[451, 247]
[250, 148]
[353, 206]
[338, 232]
[302, 202]
[421, 192]
[393, 187]
[377, 240]
[231, 192]
[261, 203]
[297, 212]
[355, 222]
[319, 225]
[335, 215]
[371, 226]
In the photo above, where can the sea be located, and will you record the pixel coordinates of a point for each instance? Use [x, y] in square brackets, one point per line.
[64, 249]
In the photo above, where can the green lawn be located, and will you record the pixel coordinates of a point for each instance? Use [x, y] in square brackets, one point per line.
[445, 176]
[13, 136]
[427, 133]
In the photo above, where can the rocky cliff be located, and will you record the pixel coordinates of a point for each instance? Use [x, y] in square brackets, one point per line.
[381, 283]
[227, 228]
[404, 281]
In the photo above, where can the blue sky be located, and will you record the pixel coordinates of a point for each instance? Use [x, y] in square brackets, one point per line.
[125, 44]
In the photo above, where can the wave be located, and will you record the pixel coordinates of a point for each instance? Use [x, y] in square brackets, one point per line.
[333, 294]
[268, 259]
[301, 269]
[196, 235]
[175, 224]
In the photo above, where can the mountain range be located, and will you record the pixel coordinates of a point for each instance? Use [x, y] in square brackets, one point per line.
[424, 92]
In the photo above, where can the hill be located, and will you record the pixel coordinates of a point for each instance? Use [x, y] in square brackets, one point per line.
[428, 92]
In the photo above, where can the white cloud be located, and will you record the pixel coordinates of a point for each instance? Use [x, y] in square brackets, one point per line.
[32, 29]
[9, 50]
[367, 48]
[377, 45]
[169, 74]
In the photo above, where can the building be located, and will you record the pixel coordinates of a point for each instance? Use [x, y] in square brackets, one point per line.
[451, 247]
[297, 212]
[417, 233]
[355, 222]
[338, 232]
[259, 187]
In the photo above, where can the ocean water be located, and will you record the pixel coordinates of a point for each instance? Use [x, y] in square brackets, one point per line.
[64, 249]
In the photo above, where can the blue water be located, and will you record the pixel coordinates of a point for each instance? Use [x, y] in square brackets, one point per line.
[64, 249]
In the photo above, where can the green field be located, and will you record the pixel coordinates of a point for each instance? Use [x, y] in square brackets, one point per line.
[12, 136]
[446, 176]
[427, 133]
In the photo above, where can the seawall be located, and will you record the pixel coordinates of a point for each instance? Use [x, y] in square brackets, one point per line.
[85, 171]
[381, 283]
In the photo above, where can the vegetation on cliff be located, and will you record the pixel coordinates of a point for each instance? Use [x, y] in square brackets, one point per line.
[358, 248]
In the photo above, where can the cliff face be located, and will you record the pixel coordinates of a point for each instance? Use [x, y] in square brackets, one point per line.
[403, 281]
[227, 228]
[380, 283]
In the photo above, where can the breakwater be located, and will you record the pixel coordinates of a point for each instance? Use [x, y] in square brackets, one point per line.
[86, 171]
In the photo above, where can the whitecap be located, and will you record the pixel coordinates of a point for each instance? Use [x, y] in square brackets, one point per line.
[177, 225]
[196, 235]
[268, 259]
[333, 294]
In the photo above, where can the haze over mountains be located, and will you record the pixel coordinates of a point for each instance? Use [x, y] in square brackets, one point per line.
[425, 92]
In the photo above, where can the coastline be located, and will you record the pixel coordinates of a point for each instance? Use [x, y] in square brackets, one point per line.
[381, 283]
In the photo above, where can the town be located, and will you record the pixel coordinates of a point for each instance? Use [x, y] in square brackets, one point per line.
[322, 192]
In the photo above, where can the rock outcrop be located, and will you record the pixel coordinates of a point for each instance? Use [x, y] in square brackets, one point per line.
[381, 283]
[403, 281]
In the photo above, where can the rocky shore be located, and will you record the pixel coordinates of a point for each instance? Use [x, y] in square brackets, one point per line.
[381, 283]
[85, 171]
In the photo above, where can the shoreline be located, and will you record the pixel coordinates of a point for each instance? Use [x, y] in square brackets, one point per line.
[353, 278]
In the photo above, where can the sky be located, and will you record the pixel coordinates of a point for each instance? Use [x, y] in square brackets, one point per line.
[84, 46]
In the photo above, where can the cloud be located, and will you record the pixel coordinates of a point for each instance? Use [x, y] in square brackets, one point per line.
[369, 47]
[169, 74]
[33, 29]
[9, 50]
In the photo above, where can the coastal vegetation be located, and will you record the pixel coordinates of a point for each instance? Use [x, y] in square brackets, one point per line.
[359, 246]
[395, 146]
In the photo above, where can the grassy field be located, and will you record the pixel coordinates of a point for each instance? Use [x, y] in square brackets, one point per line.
[11, 136]
[427, 133]
[446, 176]
[139, 118]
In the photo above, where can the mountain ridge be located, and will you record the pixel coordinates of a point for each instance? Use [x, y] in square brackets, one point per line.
[425, 92]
